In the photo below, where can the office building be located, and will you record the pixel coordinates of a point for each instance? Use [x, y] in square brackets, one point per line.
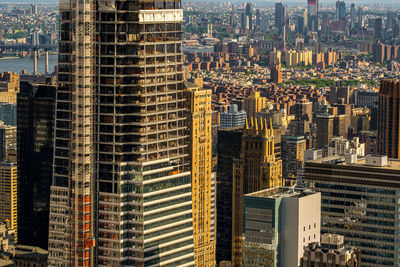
[35, 104]
[8, 113]
[293, 148]
[121, 191]
[200, 119]
[8, 195]
[254, 103]
[9, 87]
[352, 16]
[324, 129]
[278, 223]
[340, 10]
[359, 201]
[312, 15]
[8, 140]
[256, 169]
[265, 21]
[232, 118]
[249, 16]
[332, 251]
[276, 73]
[378, 28]
[226, 155]
[280, 16]
[388, 119]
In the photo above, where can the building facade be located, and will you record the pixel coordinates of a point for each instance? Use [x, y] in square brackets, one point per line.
[200, 119]
[388, 119]
[8, 195]
[278, 223]
[293, 148]
[257, 168]
[121, 192]
[332, 251]
[226, 155]
[35, 129]
[232, 118]
[360, 202]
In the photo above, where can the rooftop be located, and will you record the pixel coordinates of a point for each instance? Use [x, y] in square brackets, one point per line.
[368, 161]
[280, 192]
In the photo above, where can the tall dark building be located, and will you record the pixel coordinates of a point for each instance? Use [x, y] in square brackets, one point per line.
[389, 119]
[35, 103]
[352, 16]
[249, 15]
[229, 148]
[280, 15]
[378, 28]
[340, 10]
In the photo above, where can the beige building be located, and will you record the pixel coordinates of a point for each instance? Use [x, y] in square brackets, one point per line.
[331, 252]
[9, 87]
[257, 168]
[296, 58]
[8, 194]
[254, 103]
[200, 118]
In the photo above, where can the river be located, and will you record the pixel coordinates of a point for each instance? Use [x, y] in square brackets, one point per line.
[18, 64]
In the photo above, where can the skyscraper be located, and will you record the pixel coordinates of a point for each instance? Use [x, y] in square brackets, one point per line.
[359, 200]
[201, 166]
[226, 155]
[257, 168]
[35, 159]
[340, 10]
[352, 16]
[121, 191]
[249, 15]
[312, 15]
[280, 15]
[8, 140]
[378, 28]
[8, 195]
[254, 103]
[293, 148]
[388, 119]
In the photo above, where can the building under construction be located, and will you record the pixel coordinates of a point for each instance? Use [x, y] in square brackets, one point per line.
[121, 192]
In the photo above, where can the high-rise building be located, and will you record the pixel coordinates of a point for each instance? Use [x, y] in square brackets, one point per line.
[8, 195]
[312, 15]
[293, 148]
[277, 224]
[325, 23]
[280, 16]
[378, 28]
[360, 202]
[324, 129]
[121, 191]
[226, 155]
[200, 120]
[249, 15]
[332, 251]
[9, 87]
[276, 72]
[35, 131]
[232, 118]
[340, 10]
[264, 23]
[256, 169]
[8, 113]
[254, 103]
[360, 18]
[300, 24]
[8, 140]
[388, 119]
[352, 16]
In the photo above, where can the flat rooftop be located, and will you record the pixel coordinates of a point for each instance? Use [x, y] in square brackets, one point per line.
[280, 192]
[392, 164]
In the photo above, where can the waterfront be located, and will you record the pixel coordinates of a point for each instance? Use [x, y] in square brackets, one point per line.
[18, 64]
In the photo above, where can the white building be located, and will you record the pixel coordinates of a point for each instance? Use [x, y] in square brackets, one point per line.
[232, 118]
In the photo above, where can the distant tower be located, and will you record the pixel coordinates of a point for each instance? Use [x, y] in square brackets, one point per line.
[352, 16]
[280, 14]
[388, 119]
[257, 168]
[312, 15]
[340, 10]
